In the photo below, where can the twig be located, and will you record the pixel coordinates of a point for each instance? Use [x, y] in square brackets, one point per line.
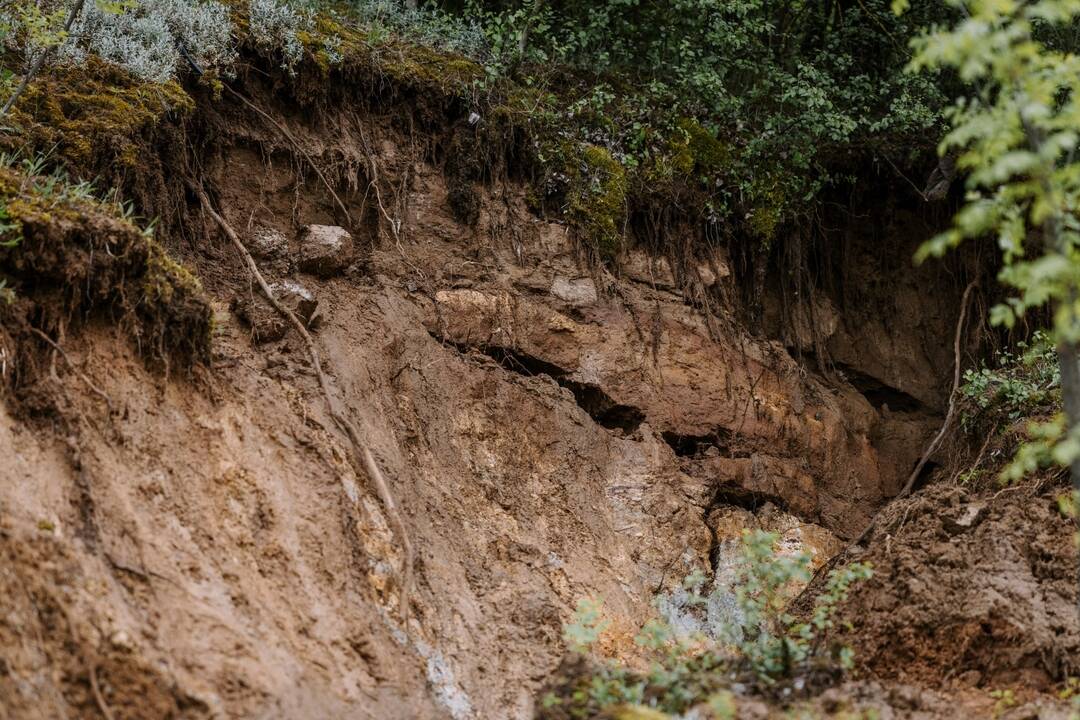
[373, 174]
[362, 454]
[933, 446]
[80, 373]
[388, 500]
[905, 177]
[86, 653]
[289, 136]
[98, 697]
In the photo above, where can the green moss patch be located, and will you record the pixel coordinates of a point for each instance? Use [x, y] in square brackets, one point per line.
[334, 48]
[66, 257]
[94, 115]
[596, 199]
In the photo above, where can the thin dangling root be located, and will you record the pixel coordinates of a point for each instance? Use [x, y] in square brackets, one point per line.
[361, 454]
[909, 486]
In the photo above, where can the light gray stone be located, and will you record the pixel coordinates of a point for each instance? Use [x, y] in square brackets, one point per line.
[325, 250]
[267, 325]
[268, 244]
[579, 291]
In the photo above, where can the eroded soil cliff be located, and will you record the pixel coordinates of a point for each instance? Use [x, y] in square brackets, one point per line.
[197, 544]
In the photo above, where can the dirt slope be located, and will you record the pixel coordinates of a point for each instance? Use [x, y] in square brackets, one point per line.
[552, 432]
[973, 586]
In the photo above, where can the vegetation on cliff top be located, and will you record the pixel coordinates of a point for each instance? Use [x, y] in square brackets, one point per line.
[733, 116]
[736, 113]
[77, 254]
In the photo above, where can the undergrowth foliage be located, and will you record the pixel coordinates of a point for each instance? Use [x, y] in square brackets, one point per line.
[762, 645]
[1023, 383]
[1015, 404]
[731, 115]
[1015, 135]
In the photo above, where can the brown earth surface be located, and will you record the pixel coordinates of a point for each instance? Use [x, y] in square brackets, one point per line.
[973, 587]
[200, 545]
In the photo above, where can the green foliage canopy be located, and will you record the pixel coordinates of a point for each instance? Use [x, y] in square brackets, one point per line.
[1015, 136]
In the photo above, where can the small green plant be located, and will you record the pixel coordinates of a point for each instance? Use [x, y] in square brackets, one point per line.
[275, 26]
[772, 640]
[762, 640]
[588, 624]
[428, 25]
[1004, 700]
[723, 705]
[10, 230]
[1020, 398]
[1020, 385]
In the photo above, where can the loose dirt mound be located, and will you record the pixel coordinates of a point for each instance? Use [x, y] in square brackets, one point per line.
[980, 588]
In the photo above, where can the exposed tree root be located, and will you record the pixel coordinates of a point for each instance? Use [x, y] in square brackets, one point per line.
[289, 136]
[909, 486]
[361, 454]
[933, 446]
[98, 697]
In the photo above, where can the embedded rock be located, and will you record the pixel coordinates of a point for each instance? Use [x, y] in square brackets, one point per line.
[325, 250]
[267, 325]
[647, 268]
[268, 243]
[578, 291]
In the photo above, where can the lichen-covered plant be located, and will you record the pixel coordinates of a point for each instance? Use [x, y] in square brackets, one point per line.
[276, 26]
[428, 26]
[150, 38]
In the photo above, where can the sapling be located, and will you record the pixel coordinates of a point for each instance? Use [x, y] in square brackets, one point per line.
[1015, 135]
[46, 41]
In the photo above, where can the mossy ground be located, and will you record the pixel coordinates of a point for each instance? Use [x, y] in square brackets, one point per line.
[596, 198]
[336, 49]
[597, 153]
[67, 257]
[595, 157]
[92, 116]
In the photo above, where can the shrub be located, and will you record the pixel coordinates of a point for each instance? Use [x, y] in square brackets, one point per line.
[1016, 404]
[428, 26]
[761, 643]
[1020, 385]
[773, 641]
[275, 26]
[146, 38]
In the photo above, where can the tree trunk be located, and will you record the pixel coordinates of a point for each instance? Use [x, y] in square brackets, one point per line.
[1069, 357]
[1068, 351]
